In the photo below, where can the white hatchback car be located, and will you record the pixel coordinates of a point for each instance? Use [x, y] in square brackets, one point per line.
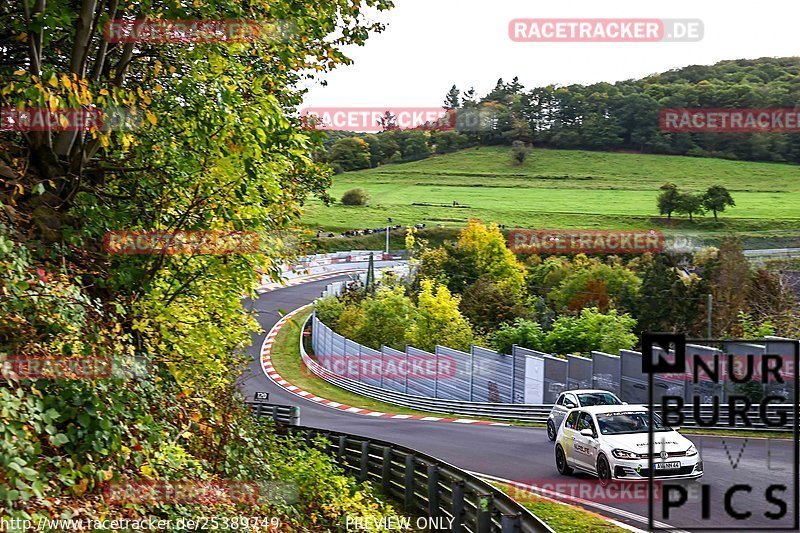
[611, 442]
[577, 398]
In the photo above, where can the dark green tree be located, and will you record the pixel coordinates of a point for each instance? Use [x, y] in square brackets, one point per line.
[668, 199]
[716, 199]
[690, 203]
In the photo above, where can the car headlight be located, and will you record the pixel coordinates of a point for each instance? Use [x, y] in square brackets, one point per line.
[691, 451]
[623, 454]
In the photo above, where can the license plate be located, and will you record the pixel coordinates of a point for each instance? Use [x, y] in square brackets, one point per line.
[668, 466]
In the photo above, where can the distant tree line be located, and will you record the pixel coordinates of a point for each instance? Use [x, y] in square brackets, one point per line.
[603, 116]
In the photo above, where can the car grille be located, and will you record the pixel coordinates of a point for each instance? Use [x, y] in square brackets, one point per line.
[657, 455]
[684, 470]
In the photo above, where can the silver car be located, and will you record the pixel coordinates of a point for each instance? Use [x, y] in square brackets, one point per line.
[577, 398]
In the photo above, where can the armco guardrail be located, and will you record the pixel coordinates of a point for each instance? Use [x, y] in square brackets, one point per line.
[532, 413]
[288, 415]
[427, 486]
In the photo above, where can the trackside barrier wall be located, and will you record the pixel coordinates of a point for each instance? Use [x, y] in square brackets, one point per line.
[534, 413]
[516, 386]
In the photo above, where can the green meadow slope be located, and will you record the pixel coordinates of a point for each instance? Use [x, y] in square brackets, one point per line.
[563, 189]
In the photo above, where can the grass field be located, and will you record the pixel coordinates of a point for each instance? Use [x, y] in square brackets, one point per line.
[562, 189]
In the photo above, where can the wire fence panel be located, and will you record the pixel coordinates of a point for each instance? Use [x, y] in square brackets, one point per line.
[555, 378]
[372, 366]
[492, 376]
[633, 383]
[605, 371]
[394, 361]
[453, 383]
[579, 372]
[529, 375]
[421, 372]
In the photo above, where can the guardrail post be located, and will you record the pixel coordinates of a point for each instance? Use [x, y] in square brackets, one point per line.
[295, 416]
[274, 412]
[327, 436]
[340, 455]
[510, 523]
[433, 491]
[458, 506]
[409, 481]
[484, 513]
[258, 410]
[386, 471]
[364, 463]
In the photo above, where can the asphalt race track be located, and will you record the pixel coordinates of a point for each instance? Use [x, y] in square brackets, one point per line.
[525, 455]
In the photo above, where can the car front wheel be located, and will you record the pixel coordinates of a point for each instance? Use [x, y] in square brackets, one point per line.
[603, 471]
[551, 430]
[561, 462]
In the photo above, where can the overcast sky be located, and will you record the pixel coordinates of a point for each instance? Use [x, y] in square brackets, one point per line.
[431, 44]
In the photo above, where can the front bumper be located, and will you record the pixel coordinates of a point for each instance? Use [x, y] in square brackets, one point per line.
[636, 469]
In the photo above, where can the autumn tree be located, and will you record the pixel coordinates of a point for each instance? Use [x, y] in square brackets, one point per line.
[439, 321]
[729, 278]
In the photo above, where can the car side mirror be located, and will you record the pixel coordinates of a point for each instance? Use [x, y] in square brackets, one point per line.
[676, 428]
[587, 432]
[624, 403]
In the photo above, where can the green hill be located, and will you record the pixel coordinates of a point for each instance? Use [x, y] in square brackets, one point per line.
[562, 189]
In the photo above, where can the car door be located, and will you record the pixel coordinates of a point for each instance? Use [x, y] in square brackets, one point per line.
[585, 448]
[568, 436]
[559, 411]
[568, 401]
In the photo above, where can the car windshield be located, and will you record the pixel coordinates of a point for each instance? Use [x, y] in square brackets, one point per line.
[630, 422]
[598, 398]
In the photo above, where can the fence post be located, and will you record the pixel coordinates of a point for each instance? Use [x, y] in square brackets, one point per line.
[383, 367]
[471, 370]
[362, 475]
[406, 389]
[340, 455]
[484, 513]
[409, 482]
[436, 378]
[327, 436]
[513, 375]
[510, 523]
[433, 491]
[386, 471]
[458, 506]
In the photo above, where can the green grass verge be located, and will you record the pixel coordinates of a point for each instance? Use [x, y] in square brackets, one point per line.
[563, 518]
[563, 189]
[285, 357]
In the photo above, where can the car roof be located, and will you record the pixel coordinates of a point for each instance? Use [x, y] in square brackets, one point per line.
[587, 391]
[599, 409]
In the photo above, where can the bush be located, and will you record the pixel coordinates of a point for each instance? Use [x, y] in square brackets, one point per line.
[355, 197]
[329, 309]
